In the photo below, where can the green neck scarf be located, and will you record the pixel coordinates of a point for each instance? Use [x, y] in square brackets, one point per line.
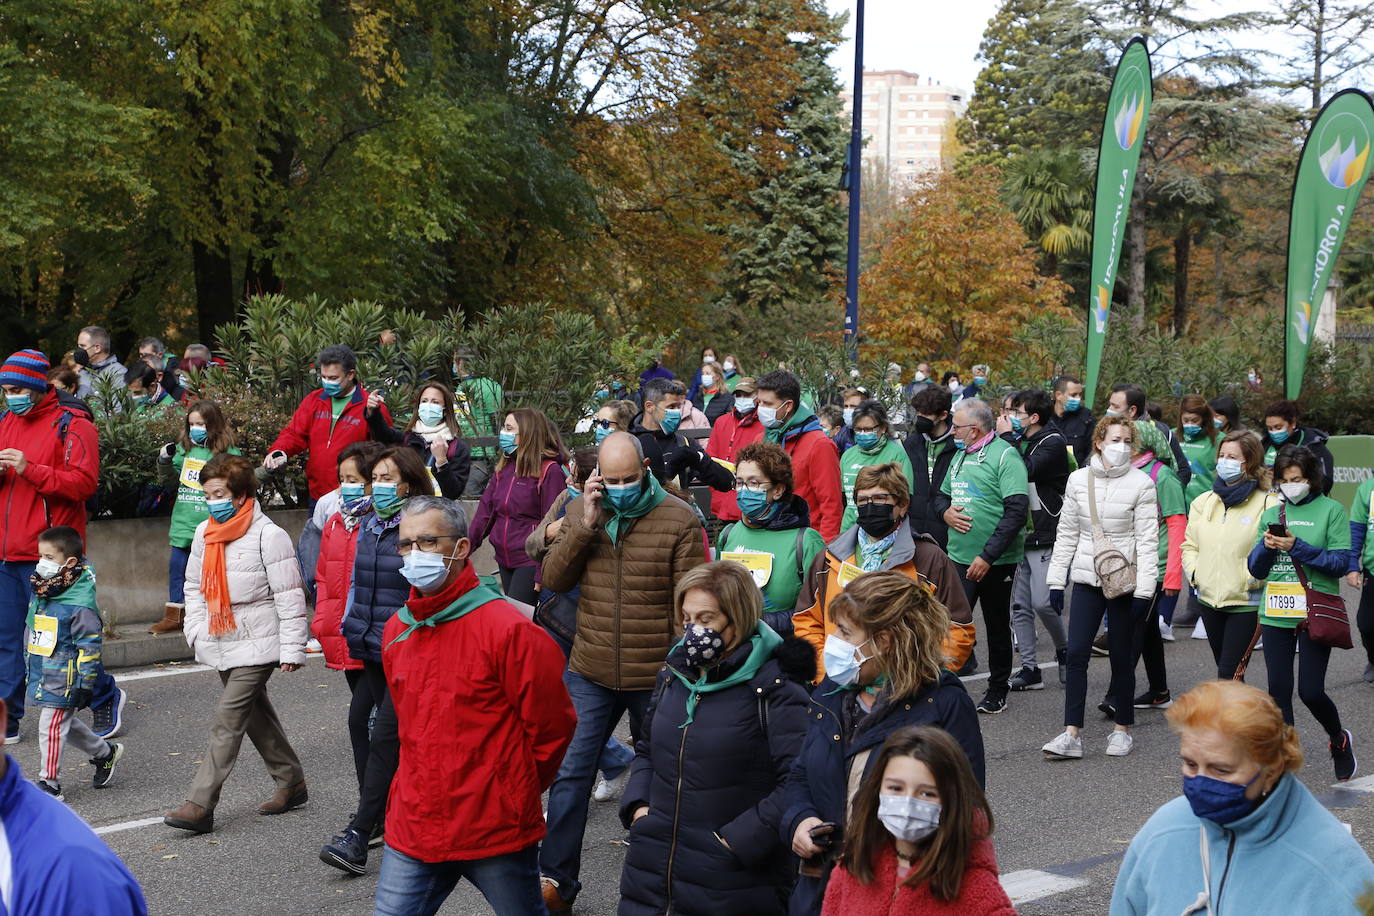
[467, 602]
[765, 641]
[649, 498]
[799, 416]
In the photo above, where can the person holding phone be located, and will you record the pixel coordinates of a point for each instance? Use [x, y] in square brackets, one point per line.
[884, 667]
[1312, 530]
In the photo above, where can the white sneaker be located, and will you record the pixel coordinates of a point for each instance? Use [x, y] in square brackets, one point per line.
[1064, 747]
[1166, 632]
[611, 789]
[313, 647]
[1199, 631]
[1120, 743]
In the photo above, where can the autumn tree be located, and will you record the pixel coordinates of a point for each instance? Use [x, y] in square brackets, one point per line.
[957, 277]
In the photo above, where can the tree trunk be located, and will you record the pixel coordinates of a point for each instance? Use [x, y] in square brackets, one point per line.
[1183, 245]
[214, 290]
[1318, 36]
[260, 275]
[1135, 243]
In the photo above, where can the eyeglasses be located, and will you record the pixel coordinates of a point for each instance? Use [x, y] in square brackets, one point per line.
[752, 486]
[956, 426]
[427, 543]
[883, 500]
[604, 424]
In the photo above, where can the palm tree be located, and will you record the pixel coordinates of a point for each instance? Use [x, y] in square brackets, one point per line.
[1048, 190]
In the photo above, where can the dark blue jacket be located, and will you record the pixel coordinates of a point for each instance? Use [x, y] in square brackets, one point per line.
[379, 589]
[818, 785]
[54, 863]
[724, 775]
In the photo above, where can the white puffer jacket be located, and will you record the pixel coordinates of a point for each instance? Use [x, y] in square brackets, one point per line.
[1128, 510]
[265, 593]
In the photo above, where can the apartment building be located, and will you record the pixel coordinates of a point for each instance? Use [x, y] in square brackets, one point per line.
[906, 122]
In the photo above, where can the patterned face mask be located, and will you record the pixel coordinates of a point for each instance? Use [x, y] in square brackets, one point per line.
[704, 645]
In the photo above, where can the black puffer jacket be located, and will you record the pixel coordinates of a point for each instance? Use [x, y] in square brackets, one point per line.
[724, 775]
[379, 589]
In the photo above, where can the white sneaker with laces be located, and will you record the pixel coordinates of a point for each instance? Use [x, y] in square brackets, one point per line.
[1120, 743]
[1064, 747]
[313, 647]
[1166, 632]
[611, 789]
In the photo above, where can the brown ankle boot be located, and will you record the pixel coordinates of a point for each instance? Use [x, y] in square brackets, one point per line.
[284, 800]
[171, 621]
[191, 816]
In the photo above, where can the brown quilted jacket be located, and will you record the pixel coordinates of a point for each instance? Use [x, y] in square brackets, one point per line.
[625, 615]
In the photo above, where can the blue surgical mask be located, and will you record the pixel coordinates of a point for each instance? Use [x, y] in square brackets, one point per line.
[139, 399]
[960, 444]
[573, 492]
[1216, 800]
[430, 414]
[351, 491]
[1018, 425]
[849, 416]
[1279, 436]
[384, 497]
[422, 569]
[221, 510]
[331, 388]
[1218, 422]
[1229, 469]
[768, 416]
[19, 403]
[1192, 432]
[743, 405]
[603, 392]
[867, 440]
[1072, 404]
[671, 418]
[1111, 413]
[842, 662]
[980, 380]
[753, 504]
[622, 496]
[199, 434]
[506, 441]
[602, 432]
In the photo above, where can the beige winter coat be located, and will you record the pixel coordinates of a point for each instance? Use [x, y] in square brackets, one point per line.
[1217, 546]
[265, 593]
[1128, 509]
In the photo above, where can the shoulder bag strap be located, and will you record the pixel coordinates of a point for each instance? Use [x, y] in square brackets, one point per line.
[1092, 503]
[801, 565]
[1297, 566]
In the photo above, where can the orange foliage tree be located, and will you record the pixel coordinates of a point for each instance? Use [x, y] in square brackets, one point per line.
[955, 277]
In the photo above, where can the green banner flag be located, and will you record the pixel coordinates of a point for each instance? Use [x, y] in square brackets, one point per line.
[1333, 169]
[1123, 137]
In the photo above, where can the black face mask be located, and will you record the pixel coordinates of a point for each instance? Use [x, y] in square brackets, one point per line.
[876, 520]
[925, 425]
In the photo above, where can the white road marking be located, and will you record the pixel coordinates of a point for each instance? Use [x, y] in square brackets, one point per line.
[1363, 784]
[1032, 884]
[127, 825]
[143, 674]
[1043, 666]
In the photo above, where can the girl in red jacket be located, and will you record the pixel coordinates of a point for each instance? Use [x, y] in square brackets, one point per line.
[919, 836]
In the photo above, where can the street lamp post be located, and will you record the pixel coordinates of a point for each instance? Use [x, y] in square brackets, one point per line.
[851, 284]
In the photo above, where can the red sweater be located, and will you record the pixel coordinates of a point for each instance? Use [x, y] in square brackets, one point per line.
[981, 893]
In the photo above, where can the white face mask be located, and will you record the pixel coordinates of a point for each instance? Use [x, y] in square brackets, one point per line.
[849, 416]
[908, 819]
[708, 359]
[708, 381]
[46, 569]
[1295, 492]
[768, 416]
[954, 385]
[1116, 454]
[920, 376]
[729, 365]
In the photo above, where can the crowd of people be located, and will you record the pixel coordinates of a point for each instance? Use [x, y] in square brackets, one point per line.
[778, 594]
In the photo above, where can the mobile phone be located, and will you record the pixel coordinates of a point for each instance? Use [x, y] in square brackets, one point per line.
[1278, 530]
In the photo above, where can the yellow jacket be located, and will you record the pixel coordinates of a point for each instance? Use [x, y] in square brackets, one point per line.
[1216, 545]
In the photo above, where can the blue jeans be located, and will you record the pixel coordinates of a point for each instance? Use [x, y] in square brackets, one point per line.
[15, 592]
[598, 710]
[615, 757]
[409, 887]
[176, 574]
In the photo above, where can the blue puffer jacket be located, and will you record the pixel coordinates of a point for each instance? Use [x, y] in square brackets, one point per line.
[723, 775]
[818, 785]
[379, 589]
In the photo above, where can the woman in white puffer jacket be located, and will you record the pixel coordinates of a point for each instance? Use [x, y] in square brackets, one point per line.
[245, 616]
[1128, 511]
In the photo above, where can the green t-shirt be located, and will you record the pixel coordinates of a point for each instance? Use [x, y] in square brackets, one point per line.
[855, 460]
[731, 381]
[1171, 501]
[337, 406]
[1201, 452]
[781, 584]
[978, 483]
[1321, 523]
[189, 509]
[1362, 513]
[1271, 454]
[477, 402]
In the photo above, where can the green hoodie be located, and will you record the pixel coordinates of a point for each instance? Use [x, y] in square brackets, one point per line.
[798, 419]
[855, 459]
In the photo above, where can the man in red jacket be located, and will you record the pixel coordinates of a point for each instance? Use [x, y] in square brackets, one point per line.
[482, 715]
[735, 429]
[49, 465]
[328, 420]
[815, 463]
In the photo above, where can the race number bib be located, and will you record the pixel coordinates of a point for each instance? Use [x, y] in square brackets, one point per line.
[190, 472]
[1285, 599]
[848, 573]
[760, 565]
[43, 636]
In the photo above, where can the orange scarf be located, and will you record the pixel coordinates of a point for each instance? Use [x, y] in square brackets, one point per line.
[214, 577]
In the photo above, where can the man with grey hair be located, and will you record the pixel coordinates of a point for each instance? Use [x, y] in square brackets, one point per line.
[625, 542]
[96, 360]
[984, 500]
[479, 702]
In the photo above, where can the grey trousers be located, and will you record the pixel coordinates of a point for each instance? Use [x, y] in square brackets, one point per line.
[244, 709]
[1030, 598]
[57, 727]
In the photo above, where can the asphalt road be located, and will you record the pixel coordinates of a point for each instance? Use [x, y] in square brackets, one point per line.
[1061, 827]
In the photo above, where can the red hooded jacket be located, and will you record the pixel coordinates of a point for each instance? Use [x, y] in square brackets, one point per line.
[981, 894]
[333, 579]
[484, 721]
[63, 470]
[313, 427]
[730, 434]
[816, 477]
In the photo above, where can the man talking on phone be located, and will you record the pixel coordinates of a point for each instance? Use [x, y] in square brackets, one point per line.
[626, 542]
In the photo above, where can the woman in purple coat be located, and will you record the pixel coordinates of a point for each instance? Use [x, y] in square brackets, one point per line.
[529, 476]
